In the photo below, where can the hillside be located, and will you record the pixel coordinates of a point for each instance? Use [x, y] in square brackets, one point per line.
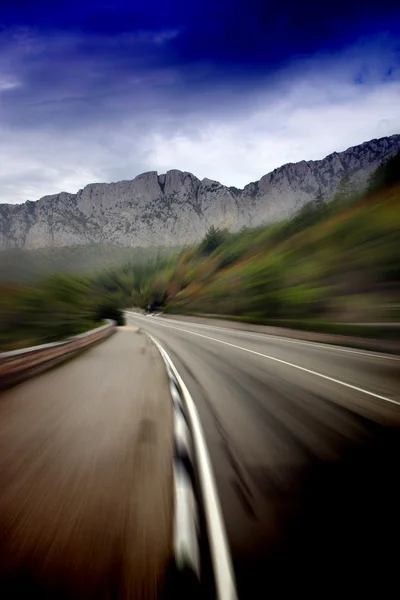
[337, 268]
[177, 208]
[328, 266]
[26, 267]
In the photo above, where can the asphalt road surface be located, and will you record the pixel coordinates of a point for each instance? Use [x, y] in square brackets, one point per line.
[304, 441]
[86, 476]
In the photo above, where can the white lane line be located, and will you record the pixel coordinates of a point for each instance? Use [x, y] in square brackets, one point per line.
[289, 364]
[221, 559]
[319, 345]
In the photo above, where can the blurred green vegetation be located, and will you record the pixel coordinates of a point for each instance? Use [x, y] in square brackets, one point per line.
[65, 305]
[333, 267]
[30, 266]
[59, 308]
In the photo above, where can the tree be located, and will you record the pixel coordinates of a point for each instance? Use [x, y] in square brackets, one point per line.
[319, 197]
[386, 175]
[345, 189]
[213, 239]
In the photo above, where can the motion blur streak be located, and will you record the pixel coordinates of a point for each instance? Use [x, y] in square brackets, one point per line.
[305, 468]
[86, 476]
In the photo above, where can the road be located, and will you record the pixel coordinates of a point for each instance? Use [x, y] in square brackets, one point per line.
[86, 476]
[304, 442]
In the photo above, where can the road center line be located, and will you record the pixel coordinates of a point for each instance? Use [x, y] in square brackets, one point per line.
[320, 345]
[278, 360]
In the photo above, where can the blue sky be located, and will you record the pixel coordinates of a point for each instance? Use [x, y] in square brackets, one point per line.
[102, 91]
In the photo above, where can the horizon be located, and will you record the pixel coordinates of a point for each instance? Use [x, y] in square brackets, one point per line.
[98, 93]
[160, 174]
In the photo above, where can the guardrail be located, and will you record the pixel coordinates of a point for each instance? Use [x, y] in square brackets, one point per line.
[17, 365]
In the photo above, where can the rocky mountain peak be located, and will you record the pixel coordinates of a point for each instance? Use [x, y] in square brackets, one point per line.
[177, 208]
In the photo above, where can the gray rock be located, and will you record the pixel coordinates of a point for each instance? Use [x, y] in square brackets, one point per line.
[177, 208]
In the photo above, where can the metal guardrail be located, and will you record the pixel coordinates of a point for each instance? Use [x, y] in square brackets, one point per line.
[17, 365]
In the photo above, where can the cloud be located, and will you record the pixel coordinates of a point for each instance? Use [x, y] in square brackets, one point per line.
[8, 83]
[305, 124]
[87, 109]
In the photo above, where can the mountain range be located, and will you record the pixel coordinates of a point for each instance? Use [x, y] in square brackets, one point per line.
[177, 208]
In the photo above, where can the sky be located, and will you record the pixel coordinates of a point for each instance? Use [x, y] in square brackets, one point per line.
[229, 90]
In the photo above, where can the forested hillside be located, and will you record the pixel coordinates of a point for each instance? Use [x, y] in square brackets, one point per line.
[332, 263]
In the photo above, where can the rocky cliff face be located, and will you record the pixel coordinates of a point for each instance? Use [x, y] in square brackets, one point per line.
[177, 208]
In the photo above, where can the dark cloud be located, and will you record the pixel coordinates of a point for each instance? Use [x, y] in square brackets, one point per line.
[252, 32]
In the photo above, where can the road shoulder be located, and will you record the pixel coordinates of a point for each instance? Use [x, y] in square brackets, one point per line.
[86, 497]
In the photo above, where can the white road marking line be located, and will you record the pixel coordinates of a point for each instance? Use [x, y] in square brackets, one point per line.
[320, 345]
[221, 559]
[185, 532]
[289, 364]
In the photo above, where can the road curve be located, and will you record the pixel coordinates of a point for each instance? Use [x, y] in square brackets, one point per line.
[304, 441]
